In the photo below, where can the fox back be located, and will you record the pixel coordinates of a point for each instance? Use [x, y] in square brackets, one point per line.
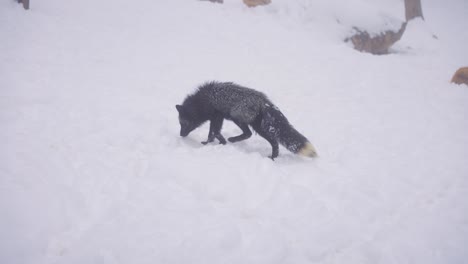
[233, 101]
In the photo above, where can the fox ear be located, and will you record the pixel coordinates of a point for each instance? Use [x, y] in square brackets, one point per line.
[179, 108]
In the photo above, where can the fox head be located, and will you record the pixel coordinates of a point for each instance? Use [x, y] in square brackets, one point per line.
[188, 122]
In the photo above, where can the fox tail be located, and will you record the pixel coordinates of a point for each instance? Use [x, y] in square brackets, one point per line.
[275, 122]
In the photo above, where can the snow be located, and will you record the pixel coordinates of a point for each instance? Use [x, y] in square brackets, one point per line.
[92, 169]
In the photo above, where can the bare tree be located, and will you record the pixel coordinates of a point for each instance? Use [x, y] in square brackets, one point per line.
[413, 9]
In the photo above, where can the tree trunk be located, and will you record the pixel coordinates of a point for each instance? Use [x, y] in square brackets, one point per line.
[214, 1]
[25, 3]
[413, 9]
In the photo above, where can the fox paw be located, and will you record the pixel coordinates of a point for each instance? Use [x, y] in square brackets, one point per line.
[221, 139]
[222, 142]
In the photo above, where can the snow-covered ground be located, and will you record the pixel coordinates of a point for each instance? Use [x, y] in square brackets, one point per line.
[92, 169]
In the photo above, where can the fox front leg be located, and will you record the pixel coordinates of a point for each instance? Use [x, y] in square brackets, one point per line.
[210, 139]
[215, 131]
[212, 136]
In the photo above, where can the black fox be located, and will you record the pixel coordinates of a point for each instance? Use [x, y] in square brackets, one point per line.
[216, 101]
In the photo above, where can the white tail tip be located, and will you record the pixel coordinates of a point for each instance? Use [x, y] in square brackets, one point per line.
[308, 150]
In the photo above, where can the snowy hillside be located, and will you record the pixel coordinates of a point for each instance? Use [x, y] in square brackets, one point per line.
[92, 168]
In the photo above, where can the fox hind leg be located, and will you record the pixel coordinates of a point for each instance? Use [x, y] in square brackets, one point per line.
[270, 137]
[246, 133]
[273, 142]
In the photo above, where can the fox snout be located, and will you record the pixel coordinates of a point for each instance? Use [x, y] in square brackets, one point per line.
[184, 133]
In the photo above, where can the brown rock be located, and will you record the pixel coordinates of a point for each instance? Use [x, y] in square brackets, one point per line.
[379, 44]
[254, 3]
[461, 76]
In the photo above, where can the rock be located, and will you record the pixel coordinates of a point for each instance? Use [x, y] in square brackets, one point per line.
[254, 3]
[461, 76]
[379, 44]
